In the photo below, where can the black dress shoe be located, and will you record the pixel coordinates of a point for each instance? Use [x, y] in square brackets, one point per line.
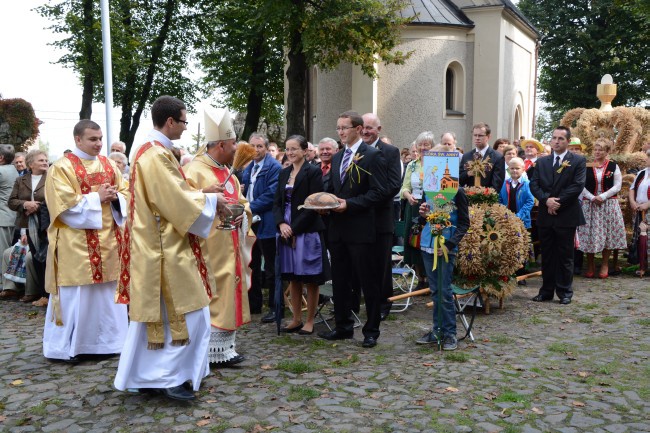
[369, 342]
[540, 298]
[293, 329]
[269, 317]
[336, 335]
[565, 301]
[231, 362]
[175, 393]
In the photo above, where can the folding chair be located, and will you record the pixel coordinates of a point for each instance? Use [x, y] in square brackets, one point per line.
[403, 281]
[462, 299]
[403, 275]
[325, 298]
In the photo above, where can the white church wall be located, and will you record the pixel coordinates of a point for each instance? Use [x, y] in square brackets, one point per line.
[333, 96]
[410, 97]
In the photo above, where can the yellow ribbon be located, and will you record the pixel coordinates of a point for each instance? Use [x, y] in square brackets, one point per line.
[439, 239]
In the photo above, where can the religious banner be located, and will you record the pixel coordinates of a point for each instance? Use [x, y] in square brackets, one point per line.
[441, 170]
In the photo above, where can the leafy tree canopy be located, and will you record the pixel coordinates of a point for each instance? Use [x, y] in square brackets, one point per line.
[582, 40]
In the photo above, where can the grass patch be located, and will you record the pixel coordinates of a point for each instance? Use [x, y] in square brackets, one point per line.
[439, 427]
[537, 370]
[351, 403]
[590, 306]
[501, 339]
[511, 397]
[297, 366]
[157, 416]
[380, 359]
[535, 320]
[347, 361]
[302, 393]
[585, 319]
[457, 357]
[39, 409]
[319, 343]
[558, 347]
[286, 340]
[609, 319]
[643, 322]
[220, 427]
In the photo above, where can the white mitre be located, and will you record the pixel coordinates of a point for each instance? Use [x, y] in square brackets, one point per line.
[218, 125]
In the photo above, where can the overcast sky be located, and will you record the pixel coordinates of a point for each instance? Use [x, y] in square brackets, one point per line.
[55, 92]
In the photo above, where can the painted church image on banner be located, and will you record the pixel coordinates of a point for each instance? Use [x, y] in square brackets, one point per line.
[473, 61]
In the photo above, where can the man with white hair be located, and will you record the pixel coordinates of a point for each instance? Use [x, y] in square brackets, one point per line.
[327, 147]
[118, 146]
[384, 211]
[448, 139]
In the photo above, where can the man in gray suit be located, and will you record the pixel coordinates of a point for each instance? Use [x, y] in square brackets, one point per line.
[8, 175]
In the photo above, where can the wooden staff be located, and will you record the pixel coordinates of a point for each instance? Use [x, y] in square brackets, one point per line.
[425, 291]
[408, 295]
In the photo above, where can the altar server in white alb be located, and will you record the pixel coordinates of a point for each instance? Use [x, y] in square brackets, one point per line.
[164, 275]
[84, 192]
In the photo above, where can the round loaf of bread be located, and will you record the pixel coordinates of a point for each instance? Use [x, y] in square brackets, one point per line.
[321, 200]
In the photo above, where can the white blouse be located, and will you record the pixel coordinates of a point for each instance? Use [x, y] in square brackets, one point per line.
[618, 181]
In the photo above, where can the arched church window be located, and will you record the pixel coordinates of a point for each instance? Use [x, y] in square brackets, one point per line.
[454, 90]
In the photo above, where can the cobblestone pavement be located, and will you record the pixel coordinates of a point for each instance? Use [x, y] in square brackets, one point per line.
[533, 368]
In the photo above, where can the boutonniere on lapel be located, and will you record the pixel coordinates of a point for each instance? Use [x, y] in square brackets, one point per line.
[354, 168]
[564, 165]
[608, 174]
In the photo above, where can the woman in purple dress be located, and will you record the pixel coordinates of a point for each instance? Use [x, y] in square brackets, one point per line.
[303, 258]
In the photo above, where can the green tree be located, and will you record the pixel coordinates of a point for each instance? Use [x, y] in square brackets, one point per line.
[242, 57]
[325, 33]
[584, 39]
[151, 52]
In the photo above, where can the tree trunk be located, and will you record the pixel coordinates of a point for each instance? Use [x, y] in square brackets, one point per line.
[296, 73]
[89, 63]
[255, 94]
[126, 102]
[171, 7]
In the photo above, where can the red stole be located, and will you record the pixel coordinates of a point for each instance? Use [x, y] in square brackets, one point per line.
[86, 182]
[124, 286]
[221, 176]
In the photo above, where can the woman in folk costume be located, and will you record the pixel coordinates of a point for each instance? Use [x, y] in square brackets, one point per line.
[85, 196]
[227, 252]
[164, 277]
[605, 229]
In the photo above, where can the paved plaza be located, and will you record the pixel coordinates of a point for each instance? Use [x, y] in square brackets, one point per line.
[534, 367]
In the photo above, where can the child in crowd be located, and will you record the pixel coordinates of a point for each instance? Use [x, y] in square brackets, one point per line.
[516, 196]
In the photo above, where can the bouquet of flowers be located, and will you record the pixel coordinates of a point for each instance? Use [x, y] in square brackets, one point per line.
[439, 219]
[481, 195]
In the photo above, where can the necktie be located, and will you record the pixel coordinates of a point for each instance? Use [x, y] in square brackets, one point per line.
[255, 168]
[345, 163]
[557, 162]
[325, 168]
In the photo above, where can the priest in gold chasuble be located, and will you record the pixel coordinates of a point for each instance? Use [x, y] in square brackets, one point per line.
[85, 195]
[227, 252]
[164, 276]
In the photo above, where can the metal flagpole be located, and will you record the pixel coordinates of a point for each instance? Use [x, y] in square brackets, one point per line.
[108, 72]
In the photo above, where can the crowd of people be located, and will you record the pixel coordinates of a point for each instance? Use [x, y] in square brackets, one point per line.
[151, 233]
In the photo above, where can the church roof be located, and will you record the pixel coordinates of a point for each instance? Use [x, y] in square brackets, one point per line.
[439, 12]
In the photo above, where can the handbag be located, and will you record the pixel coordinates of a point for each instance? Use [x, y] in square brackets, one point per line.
[16, 271]
[415, 234]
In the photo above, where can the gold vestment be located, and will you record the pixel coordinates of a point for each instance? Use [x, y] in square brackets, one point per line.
[80, 257]
[161, 258]
[228, 253]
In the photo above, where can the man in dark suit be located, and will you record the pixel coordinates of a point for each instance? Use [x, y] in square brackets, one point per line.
[359, 181]
[327, 148]
[495, 175]
[384, 219]
[557, 182]
[260, 180]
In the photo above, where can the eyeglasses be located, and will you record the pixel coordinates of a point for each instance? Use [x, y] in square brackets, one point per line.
[182, 121]
[343, 128]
